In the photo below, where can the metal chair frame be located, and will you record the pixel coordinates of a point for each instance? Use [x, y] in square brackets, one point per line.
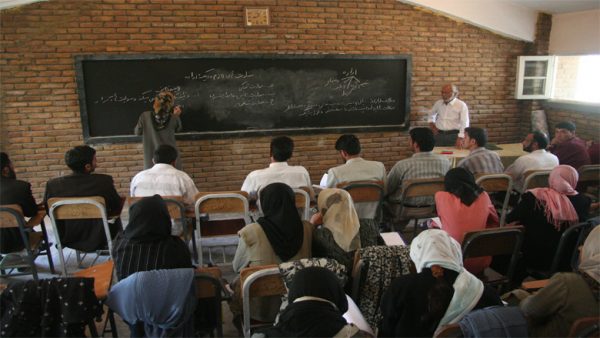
[251, 280]
[302, 201]
[498, 183]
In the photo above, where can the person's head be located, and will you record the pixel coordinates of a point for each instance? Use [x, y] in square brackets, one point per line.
[436, 247]
[81, 159]
[348, 145]
[321, 283]
[421, 139]
[563, 178]
[166, 154]
[461, 183]
[339, 216]
[589, 258]
[8, 170]
[474, 138]
[449, 92]
[149, 220]
[534, 141]
[564, 131]
[282, 148]
[164, 102]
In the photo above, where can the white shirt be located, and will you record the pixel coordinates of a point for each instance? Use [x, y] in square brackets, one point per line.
[356, 169]
[165, 180]
[538, 159]
[294, 176]
[451, 116]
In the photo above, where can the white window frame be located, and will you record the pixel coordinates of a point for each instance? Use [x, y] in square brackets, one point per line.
[548, 77]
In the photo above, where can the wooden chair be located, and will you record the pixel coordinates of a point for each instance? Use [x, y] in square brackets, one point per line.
[495, 242]
[585, 327]
[589, 181]
[209, 287]
[536, 179]
[423, 187]
[176, 209]
[71, 208]
[231, 207]
[302, 203]
[35, 243]
[367, 197]
[259, 281]
[500, 183]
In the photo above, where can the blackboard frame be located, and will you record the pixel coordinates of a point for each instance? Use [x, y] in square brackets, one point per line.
[85, 123]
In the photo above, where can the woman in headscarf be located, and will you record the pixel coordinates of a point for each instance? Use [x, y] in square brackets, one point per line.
[568, 296]
[546, 213]
[158, 126]
[465, 207]
[338, 237]
[441, 292]
[146, 243]
[316, 308]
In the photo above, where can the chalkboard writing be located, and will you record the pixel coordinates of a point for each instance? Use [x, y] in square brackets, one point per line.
[229, 95]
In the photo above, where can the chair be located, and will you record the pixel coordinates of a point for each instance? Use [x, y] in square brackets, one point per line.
[536, 179]
[229, 207]
[70, 208]
[302, 203]
[421, 187]
[589, 181]
[367, 197]
[35, 243]
[495, 242]
[210, 288]
[497, 183]
[176, 212]
[450, 331]
[585, 327]
[259, 281]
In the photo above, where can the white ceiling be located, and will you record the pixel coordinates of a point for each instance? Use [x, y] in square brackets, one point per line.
[558, 6]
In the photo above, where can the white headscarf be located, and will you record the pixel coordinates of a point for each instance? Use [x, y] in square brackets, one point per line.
[590, 255]
[339, 216]
[436, 247]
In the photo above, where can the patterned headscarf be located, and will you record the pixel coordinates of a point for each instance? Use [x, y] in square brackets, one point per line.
[163, 106]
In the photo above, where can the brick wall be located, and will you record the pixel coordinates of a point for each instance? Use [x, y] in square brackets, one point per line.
[588, 124]
[40, 112]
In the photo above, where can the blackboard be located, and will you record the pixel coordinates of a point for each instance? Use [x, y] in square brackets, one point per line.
[242, 95]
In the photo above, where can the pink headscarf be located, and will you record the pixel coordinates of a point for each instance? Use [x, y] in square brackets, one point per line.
[557, 206]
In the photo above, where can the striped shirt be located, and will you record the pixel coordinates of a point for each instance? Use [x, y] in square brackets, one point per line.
[482, 161]
[421, 165]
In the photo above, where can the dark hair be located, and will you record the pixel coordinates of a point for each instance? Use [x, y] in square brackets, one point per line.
[282, 148]
[165, 153]
[439, 297]
[4, 160]
[568, 125]
[541, 139]
[78, 157]
[423, 137]
[461, 183]
[348, 143]
[477, 134]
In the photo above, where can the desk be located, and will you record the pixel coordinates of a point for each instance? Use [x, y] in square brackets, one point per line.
[508, 153]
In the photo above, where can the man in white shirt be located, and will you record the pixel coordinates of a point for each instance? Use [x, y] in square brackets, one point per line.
[164, 179]
[355, 167]
[535, 144]
[282, 148]
[449, 117]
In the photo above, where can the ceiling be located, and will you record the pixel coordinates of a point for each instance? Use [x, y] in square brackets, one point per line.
[558, 6]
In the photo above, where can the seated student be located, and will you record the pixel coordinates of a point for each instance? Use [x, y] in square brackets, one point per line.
[441, 293]
[316, 308]
[568, 296]
[570, 149]
[546, 213]
[465, 207]
[337, 235]
[146, 243]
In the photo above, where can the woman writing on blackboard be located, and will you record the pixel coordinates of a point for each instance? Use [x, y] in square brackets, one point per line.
[159, 125]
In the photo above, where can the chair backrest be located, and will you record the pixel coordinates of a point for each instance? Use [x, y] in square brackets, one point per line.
[11, 216]
[103, 276]
[421, 187]
[72, 208]
[302, 203]
[259, 281]
[208, 286]
[589, 176]
[174, 205]
[585, 327]
[567, 252]
[497, 183]
[366, 195]
[536, 179]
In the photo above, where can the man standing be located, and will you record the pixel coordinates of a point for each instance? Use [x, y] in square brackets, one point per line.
[282, 148]
[570, 149]
[449, 117]
[13, 191]
[355, 168]
[422, 164]
[535, 144]
[479, 160]
[85, 235]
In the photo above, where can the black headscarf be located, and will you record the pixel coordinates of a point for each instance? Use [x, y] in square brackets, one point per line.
[313, 318]
[149, 220]
[281, 221]
[460, 182]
